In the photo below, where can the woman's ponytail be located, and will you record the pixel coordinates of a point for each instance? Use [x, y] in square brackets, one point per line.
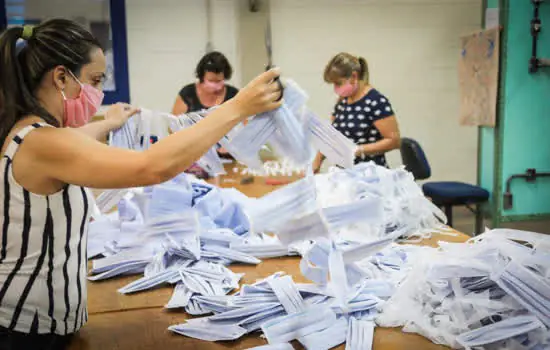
[13, 90]
[364, 73]
[343, 65]
[26, 55]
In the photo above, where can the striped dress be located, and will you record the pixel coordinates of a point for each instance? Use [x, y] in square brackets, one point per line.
[42, 254]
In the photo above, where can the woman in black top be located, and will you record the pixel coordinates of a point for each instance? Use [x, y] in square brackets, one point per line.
[362, 113]
[210, 90]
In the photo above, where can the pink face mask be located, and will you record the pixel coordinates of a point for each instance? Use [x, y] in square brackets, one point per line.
[345, 90]
[80, 110]
[214, 86]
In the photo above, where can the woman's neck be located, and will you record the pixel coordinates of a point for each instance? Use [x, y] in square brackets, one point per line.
[47, 100]
[362, 90]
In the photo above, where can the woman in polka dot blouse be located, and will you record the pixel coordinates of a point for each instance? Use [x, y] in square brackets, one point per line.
[362, 113]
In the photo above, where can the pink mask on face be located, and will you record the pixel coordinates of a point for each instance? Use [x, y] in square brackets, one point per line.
[80, 110]
[213, 86]
[345, 90]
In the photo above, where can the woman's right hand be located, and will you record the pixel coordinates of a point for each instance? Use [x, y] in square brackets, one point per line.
[119, 113]
[260, 95]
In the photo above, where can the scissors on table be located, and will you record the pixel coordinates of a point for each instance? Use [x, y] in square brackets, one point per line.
[269, 50]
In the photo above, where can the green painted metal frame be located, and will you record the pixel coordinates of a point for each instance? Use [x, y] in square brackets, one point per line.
[479, 130]
[517, 218]
[496, 217]
[479, 135]
[484, 210]
[494, 204]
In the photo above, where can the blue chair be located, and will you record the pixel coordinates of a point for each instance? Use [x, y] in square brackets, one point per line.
[445, 194]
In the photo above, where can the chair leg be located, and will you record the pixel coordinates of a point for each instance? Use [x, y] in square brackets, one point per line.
[479, 220]
[449, 214]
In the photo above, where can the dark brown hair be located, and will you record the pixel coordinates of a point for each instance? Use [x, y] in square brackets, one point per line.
[25, 61]
[214, 62]
[343, 65]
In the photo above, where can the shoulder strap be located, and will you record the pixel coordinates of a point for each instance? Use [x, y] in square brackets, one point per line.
[19, 137]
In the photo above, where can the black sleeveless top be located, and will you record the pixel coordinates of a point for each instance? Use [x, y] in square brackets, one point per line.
[189, 95]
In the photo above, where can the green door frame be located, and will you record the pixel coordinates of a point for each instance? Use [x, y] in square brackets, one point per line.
[496, 202]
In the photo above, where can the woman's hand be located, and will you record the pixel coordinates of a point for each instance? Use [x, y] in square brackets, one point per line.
[119, 113]
[260, 95]
[316, 166]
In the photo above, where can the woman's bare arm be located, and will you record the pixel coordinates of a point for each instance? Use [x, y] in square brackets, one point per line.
[71, 158]
[391, 139]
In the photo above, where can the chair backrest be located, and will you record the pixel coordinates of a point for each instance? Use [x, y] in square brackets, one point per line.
[414, 159]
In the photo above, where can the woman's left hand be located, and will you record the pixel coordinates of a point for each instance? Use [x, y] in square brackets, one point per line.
[360, 150]
[119, 113]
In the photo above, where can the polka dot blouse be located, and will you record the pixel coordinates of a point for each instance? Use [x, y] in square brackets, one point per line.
[356, 121]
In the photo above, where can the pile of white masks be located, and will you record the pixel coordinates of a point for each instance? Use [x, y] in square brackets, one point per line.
[185, 232]
[491, 292]
[361, 204]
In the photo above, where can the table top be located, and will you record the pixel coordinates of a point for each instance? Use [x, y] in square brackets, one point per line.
[138, 321]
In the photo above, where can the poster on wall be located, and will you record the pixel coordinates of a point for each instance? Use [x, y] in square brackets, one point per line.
[478, 70]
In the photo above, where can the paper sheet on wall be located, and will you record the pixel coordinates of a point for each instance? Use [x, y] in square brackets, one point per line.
[478, 70]
[492, 18]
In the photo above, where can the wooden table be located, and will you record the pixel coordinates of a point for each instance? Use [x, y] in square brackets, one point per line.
[139, 322]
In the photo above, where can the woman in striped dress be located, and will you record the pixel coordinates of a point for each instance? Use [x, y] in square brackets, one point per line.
[50, 87]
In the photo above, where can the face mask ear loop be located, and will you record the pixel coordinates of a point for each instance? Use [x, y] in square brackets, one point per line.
[78, 81]
[75, 78]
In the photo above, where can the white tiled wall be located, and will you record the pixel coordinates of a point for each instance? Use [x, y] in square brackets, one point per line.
[412, 47]
[166, 39]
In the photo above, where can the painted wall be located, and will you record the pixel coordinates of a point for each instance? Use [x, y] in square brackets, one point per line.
[251, 39]
[412, 47]
[166, 39]
[526, 118]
